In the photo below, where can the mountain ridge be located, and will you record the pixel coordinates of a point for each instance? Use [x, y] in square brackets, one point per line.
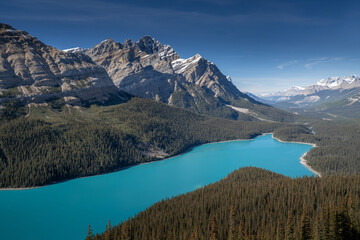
[147, 68]
[331, 98]
[331, 83]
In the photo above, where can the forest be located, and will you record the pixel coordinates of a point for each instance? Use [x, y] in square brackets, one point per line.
[337, 145]
[46, 144]
[55, 144]
[251, 203]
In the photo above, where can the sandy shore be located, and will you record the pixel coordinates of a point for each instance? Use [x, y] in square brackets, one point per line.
[303, 162]
[311, 144]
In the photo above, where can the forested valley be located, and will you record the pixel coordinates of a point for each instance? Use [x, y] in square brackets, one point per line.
[46, 144]
[52, 144]
[252, 203]
[55, 143]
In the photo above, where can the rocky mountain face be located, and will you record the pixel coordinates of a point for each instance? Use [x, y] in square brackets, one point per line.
[35, 72]
[149, 69]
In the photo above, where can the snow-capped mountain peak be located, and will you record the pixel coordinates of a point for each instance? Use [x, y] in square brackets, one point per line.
[333, 82]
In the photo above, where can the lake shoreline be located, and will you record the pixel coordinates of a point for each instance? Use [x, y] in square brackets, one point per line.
[303, 161]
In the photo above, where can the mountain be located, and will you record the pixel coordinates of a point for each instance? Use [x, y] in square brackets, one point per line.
[338, 82]
[328, 104]
[50, 130]
[149, 69]
[260, 99]
[282, 95]
[332, 83]
[329, 98]
[34, 72]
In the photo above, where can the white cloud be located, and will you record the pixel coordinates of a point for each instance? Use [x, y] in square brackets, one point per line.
[281, 66]
[316, 61]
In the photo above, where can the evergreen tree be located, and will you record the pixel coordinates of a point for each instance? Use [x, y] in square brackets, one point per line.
[305, 233]
[241, 232]
[315, 229]
[232, 226]
[343, 224]
[290, 227]
[196, 234]
[125, 231]
[280, 234]
[90, 234]
[325, 223]
[214, 229]
[108, 231]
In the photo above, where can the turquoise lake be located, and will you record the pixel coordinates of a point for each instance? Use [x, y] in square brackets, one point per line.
[64, 210]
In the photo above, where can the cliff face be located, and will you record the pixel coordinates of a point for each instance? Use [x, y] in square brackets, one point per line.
[149, 69]
[32, 70]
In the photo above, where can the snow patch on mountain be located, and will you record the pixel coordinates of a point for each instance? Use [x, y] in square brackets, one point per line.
[180, 65]
[166, 51]
[74, 50]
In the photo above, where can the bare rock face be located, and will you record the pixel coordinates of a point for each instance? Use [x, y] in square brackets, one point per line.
[32, 70]
[122, 60]
[149, 69]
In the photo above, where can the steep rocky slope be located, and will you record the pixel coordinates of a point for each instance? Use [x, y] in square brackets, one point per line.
[32, 71]
[149, 69]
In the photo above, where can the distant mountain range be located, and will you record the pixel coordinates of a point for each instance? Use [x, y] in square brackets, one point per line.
[332, 97]
[332, 83]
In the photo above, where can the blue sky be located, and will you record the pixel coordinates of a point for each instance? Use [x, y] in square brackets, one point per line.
[263, 45]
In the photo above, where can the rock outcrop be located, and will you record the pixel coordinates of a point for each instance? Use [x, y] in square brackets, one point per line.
[33, 71]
